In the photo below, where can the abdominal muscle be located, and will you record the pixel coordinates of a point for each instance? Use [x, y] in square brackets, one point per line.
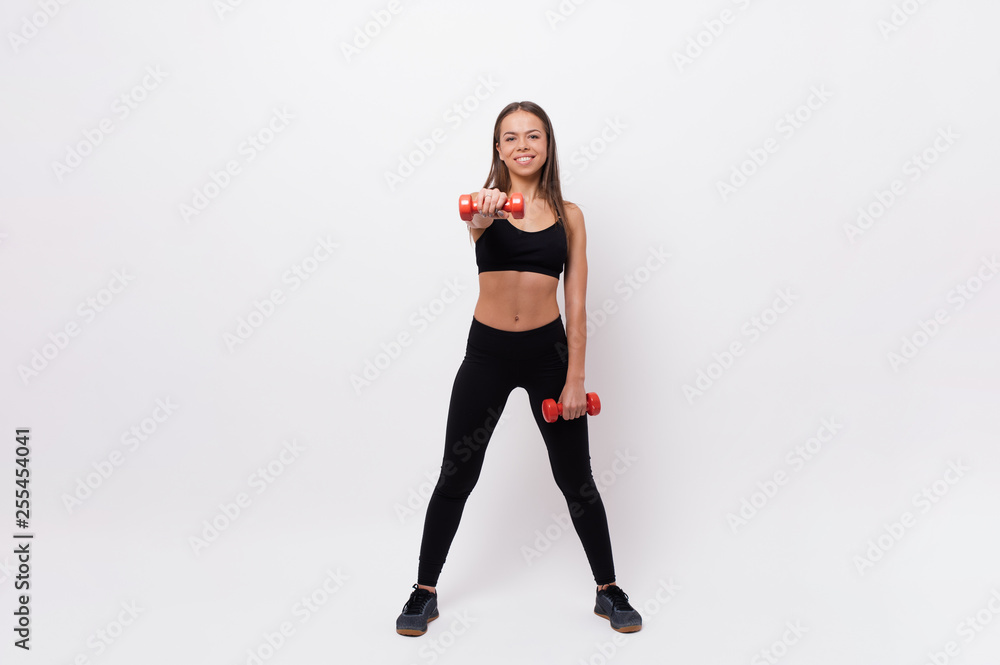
[515, 300]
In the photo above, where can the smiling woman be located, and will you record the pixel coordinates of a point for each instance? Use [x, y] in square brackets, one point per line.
[517, 339]
[518, 272]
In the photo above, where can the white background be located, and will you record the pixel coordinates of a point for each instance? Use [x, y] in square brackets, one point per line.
[350, 502]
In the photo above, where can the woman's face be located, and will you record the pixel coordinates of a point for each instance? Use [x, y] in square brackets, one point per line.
[523, 144]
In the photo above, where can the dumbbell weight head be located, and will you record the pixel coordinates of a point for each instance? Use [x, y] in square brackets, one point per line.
[593, 404]
[551, 410]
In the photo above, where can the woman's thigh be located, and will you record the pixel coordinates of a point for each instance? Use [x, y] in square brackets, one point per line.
[479, 394]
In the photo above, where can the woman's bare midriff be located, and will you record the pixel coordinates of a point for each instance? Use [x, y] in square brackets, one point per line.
[514, 300]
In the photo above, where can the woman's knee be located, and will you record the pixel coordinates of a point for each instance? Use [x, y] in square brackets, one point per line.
[581, 489]
[453, 485]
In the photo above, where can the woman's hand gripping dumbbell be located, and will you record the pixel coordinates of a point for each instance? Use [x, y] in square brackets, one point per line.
[468, 205]
[551, 410]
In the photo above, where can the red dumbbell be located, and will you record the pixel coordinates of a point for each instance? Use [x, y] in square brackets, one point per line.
[467, 206]
[551, 410]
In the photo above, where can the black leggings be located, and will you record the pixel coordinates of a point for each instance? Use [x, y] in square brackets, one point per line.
[497, 361]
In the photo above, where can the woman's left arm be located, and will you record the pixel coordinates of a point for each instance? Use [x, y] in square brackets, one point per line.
[573, 397]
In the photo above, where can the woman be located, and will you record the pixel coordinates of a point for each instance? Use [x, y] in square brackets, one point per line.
[517, 339]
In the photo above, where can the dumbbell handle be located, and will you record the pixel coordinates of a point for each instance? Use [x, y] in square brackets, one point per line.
[468, 206]
[551, 410]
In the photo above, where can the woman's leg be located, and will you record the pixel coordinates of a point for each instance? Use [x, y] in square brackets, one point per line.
[568, 445]
[480, 391]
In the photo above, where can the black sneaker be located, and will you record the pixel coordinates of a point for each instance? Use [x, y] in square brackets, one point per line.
[612, 604]
[421, 608]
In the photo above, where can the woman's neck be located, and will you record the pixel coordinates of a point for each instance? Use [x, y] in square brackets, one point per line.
[528, 187]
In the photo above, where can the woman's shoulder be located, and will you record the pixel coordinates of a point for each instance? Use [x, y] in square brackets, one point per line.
[574, 215]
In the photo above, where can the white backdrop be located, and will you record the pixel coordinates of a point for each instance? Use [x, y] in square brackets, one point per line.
[236, 292]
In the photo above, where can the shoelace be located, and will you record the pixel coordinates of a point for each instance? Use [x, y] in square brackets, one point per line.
[619, 599]
[418, 601]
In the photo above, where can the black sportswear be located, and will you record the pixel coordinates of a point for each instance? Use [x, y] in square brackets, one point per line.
[503, 246]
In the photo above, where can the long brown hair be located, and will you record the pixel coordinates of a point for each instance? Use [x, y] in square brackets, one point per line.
[550, 189]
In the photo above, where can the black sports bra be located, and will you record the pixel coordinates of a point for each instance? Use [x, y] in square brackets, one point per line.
[503, 246]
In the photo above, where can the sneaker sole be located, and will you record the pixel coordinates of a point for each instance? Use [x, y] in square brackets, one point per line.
[623, 629]
[413, 632]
